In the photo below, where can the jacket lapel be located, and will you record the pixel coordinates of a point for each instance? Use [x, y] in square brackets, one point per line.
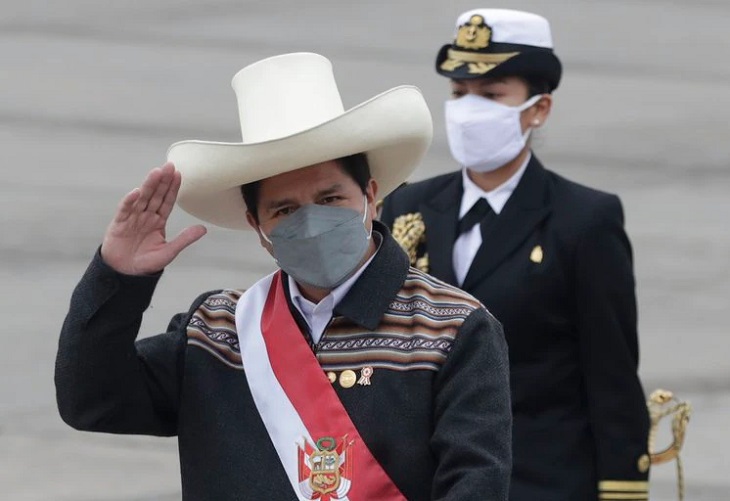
[526, 208]
[440, 215]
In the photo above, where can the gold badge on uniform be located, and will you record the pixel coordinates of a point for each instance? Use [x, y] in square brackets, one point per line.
[348, 379]
[536, 254]
[409, 231]
[325, 468]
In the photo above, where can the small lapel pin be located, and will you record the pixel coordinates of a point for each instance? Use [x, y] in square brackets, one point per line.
[536, 254]
[365, 375]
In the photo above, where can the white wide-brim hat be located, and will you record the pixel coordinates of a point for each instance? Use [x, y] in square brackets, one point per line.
[291, 117]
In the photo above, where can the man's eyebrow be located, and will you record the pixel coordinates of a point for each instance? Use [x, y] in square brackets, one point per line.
[276, 204]
[329, 191]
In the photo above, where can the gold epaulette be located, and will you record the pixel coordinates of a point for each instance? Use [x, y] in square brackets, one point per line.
[409, 231]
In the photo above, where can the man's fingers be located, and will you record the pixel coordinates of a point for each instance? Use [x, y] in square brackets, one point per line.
[186, 237]
[125, 206]
[169, 202]
[148, 188]
[167, 175]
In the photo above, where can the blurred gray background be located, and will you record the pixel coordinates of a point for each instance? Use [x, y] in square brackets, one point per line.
[94, 92]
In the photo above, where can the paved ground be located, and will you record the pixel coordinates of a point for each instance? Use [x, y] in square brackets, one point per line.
[94, 92]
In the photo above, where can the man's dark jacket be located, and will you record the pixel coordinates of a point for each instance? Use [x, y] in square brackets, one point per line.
[436, 416]
[555, 268]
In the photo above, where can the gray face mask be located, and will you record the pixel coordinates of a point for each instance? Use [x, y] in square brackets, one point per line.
[320, 246]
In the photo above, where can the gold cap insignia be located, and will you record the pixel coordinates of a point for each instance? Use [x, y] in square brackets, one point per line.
[474, 35]
[451, 64]
[536, 254]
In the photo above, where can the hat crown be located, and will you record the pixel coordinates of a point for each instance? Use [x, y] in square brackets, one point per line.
[510, 26]
[283, 95]
[291, 117]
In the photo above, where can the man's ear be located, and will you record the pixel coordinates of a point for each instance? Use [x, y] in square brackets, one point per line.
[252, 221]
[371, 194]
[255, 225]
[371, 190]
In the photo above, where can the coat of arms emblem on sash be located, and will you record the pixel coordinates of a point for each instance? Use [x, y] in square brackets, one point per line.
[325, 469]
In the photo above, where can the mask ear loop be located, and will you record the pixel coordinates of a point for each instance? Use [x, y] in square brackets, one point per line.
[261, 231]
[265, 237]
[524, 106]
[365, 216]
[529, 103]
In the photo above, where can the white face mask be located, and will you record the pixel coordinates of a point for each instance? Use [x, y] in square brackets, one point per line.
[485, 135]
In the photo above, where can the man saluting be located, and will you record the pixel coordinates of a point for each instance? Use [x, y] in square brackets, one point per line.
[343, 375]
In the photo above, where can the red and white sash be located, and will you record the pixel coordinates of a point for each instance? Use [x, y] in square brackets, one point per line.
[322, 452]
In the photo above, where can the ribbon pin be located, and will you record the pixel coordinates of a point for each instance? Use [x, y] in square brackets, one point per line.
[365, 375]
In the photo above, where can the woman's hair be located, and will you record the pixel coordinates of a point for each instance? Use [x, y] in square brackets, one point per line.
[536, 86]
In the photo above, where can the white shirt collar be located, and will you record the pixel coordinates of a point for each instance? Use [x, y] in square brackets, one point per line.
[497, 197]
[318, 315]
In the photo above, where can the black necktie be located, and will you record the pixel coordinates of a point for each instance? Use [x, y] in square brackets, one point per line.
[476, 214]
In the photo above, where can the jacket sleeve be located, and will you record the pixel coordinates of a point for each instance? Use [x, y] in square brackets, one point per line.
[105, 381]
[607, 326]
[472, 439]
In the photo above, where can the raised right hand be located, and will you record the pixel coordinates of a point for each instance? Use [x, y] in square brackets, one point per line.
[135, 242]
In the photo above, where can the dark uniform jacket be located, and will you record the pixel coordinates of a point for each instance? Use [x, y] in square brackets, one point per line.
[555, 268]
[436, 415]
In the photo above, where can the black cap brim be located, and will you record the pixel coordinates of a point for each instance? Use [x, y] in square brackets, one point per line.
[528, 62]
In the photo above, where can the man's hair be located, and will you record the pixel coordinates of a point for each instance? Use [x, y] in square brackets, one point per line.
[356, 166]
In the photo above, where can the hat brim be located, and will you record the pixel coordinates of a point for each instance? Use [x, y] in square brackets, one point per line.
[394, 129]
[539, 64]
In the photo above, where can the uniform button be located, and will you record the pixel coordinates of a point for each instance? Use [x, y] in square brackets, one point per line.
[332, 377]
[348, 379]
[643, 463]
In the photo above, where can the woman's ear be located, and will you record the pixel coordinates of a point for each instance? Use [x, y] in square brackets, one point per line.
[542, 110]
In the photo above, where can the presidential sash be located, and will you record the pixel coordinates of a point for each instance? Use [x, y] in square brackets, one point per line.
[320, 449]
